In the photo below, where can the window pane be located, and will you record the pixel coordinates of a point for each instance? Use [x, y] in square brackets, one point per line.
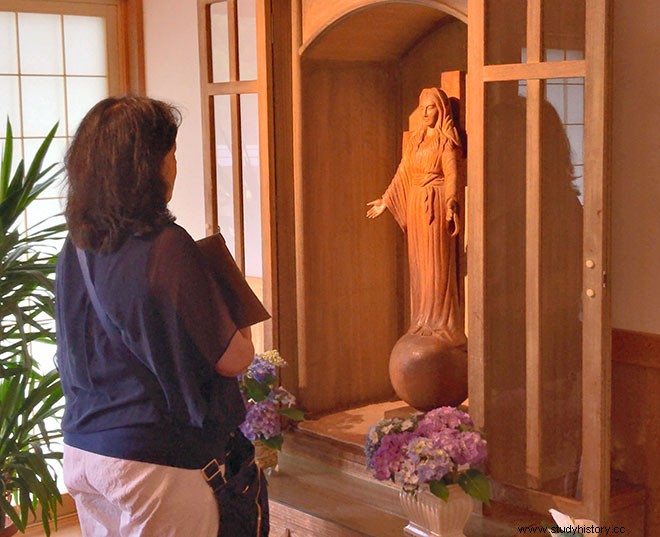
[8, 58]
[90, 59]
[40, 39]
[252, 204]
[505, 250]
[42, 214]
[563, 30]
[82, 94]
[566, 95]
[506, 31]
[43, 104]
[10, 104]
[251, 183]
[224, 169]
[219, 42]
[561, 296]
[247, 39]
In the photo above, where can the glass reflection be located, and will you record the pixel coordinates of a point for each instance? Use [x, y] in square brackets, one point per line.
[560, 292]
[506, 31]
[566, 96]
[563, 30]
[505, 251]
[546, 456]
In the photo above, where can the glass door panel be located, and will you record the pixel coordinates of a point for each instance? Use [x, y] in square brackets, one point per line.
[252, 204]
[251, 184]
[505, 191]
[558, 440]
[219, 52]
[224, 169]
[506, 31]
[537, 257]
[247, 39]
[563, 30]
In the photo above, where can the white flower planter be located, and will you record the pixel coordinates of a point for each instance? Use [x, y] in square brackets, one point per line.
[432, 517]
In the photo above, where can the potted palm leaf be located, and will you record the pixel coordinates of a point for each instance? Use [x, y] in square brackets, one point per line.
[30, 398]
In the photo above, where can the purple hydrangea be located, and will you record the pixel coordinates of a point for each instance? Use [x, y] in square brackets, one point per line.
[426, 460]
[472, 448]
[387, 458]
[261, 370]
[262, 421]
[435, 447]
[440, 418]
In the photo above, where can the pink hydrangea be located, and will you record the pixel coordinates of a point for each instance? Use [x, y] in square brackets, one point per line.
[435, 447]
[387, 458]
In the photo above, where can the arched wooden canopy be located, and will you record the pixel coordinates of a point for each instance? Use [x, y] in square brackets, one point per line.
[399, 25]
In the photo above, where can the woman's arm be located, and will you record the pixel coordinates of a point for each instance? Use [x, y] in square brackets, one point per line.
[238, 356]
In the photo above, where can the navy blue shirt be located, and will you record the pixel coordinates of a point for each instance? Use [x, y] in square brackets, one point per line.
[155, 396]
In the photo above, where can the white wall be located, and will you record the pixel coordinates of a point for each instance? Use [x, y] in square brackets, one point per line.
[172, 74]
[635, 275]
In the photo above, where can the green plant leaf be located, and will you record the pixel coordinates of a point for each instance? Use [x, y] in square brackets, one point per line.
[256, 391]
[5, 168]
[476, 485]
[274, 443]
[28, 396]
[439, 489]
[294, 414]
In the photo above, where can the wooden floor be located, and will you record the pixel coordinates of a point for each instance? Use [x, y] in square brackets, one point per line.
[66, 527]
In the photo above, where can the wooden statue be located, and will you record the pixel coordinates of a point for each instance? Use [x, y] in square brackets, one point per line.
[423, 198]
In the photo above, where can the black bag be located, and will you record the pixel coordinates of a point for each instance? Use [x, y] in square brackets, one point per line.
[240, 488]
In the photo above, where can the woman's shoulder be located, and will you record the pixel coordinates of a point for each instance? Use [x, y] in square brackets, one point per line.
[173, 236]
[175, 249]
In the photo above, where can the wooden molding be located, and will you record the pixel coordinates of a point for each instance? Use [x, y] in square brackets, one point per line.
[636, 348]
[133, 28]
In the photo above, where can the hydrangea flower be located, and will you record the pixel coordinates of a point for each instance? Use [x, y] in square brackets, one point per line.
[265, 401]
[262, 421]
[436, 448]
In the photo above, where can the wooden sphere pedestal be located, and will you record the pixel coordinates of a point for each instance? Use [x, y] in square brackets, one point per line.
[427, 372]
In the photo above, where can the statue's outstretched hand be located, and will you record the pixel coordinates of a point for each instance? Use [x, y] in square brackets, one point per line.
[453, 226]
[377, 207]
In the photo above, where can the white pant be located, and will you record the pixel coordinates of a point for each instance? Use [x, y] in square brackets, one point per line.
[119, 498]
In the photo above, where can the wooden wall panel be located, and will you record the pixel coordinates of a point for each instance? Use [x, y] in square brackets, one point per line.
[636, 416]
[352, 300]
[444, 49]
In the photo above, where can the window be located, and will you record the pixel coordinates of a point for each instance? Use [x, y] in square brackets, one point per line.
[57, 59]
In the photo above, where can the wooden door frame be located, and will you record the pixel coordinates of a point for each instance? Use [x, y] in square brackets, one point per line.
[596, 351]
[234, 88]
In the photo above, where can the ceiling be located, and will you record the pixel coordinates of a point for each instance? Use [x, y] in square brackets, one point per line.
[382, 32]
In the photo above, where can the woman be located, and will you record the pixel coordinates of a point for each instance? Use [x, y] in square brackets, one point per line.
[423, 197]
[149, 380]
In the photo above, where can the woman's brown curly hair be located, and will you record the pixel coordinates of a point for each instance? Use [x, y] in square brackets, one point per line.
[115, 186]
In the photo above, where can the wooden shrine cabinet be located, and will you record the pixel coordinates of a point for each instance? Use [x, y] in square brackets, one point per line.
[340, 80]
